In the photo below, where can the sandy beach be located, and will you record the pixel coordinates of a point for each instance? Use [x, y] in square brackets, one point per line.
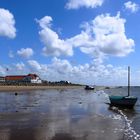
[35, 87]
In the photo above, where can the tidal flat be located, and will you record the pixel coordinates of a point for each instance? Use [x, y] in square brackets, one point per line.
[67, 114]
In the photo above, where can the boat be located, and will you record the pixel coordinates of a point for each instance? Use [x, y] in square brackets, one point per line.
[89, 87]
[124, 101]
[107, 87]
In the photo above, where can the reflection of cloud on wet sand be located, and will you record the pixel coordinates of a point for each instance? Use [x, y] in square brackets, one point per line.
[53, 115]
[86, 127]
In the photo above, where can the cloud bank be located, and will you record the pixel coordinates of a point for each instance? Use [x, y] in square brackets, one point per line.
[62, 69]
[85, 74]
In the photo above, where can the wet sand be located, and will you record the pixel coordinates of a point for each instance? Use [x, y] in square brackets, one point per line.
[38, 87]
[35, 87]
[64, 114]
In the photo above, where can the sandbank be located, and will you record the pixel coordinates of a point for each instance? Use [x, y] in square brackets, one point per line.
[36, 87]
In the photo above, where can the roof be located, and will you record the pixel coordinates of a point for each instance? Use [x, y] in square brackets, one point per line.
[12, 77]
[33, 76]
[20, 77]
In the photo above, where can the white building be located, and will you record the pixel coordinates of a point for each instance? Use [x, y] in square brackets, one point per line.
[35, 78]
[2, 79]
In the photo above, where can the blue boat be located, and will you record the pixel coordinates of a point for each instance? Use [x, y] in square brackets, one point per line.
[124, 101]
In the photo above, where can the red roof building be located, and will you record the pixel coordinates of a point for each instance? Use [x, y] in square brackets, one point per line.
[15, 77]
[33, 78]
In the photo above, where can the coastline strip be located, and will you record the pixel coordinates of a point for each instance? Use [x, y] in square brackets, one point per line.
[22, 88]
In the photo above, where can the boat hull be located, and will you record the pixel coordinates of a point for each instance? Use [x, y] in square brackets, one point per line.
[89, 88]
[123, 101]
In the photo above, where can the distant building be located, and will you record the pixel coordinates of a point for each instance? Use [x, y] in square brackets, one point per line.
[34, 78]
[30, 78]
[64, 82]
[2, 79]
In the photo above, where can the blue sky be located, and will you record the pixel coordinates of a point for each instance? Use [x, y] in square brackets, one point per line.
[87, 41]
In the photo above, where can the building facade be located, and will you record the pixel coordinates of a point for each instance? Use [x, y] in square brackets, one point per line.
[2, 79]
[34, 78]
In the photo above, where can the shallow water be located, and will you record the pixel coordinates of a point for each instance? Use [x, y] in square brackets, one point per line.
[67, 114]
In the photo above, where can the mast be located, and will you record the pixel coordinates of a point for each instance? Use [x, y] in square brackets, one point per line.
[128, 80]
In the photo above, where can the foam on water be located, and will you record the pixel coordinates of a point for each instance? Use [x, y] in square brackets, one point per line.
[103, 95]
[129, 132]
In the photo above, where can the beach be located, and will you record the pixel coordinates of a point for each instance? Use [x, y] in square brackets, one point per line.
[66, 113]
[34, 87]
[8, 88]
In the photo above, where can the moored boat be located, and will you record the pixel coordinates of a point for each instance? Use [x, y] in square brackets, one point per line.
[124, 101]
[89, 87]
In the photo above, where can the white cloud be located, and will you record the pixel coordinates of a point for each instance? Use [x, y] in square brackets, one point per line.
[61, 69]
[110, 35]
[76, 4]
[61, 66]
[20, 66]
[105, 35]
[53, 44]
[11, 54]
[25, 52]
[131, 6]
[7, 24]
[86, 74]
[36, 67]
[101, 37]
[45, 22]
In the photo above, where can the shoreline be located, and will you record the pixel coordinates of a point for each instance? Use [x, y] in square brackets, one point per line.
[9, 88]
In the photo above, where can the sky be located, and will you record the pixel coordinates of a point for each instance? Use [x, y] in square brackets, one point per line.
[81, 41]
